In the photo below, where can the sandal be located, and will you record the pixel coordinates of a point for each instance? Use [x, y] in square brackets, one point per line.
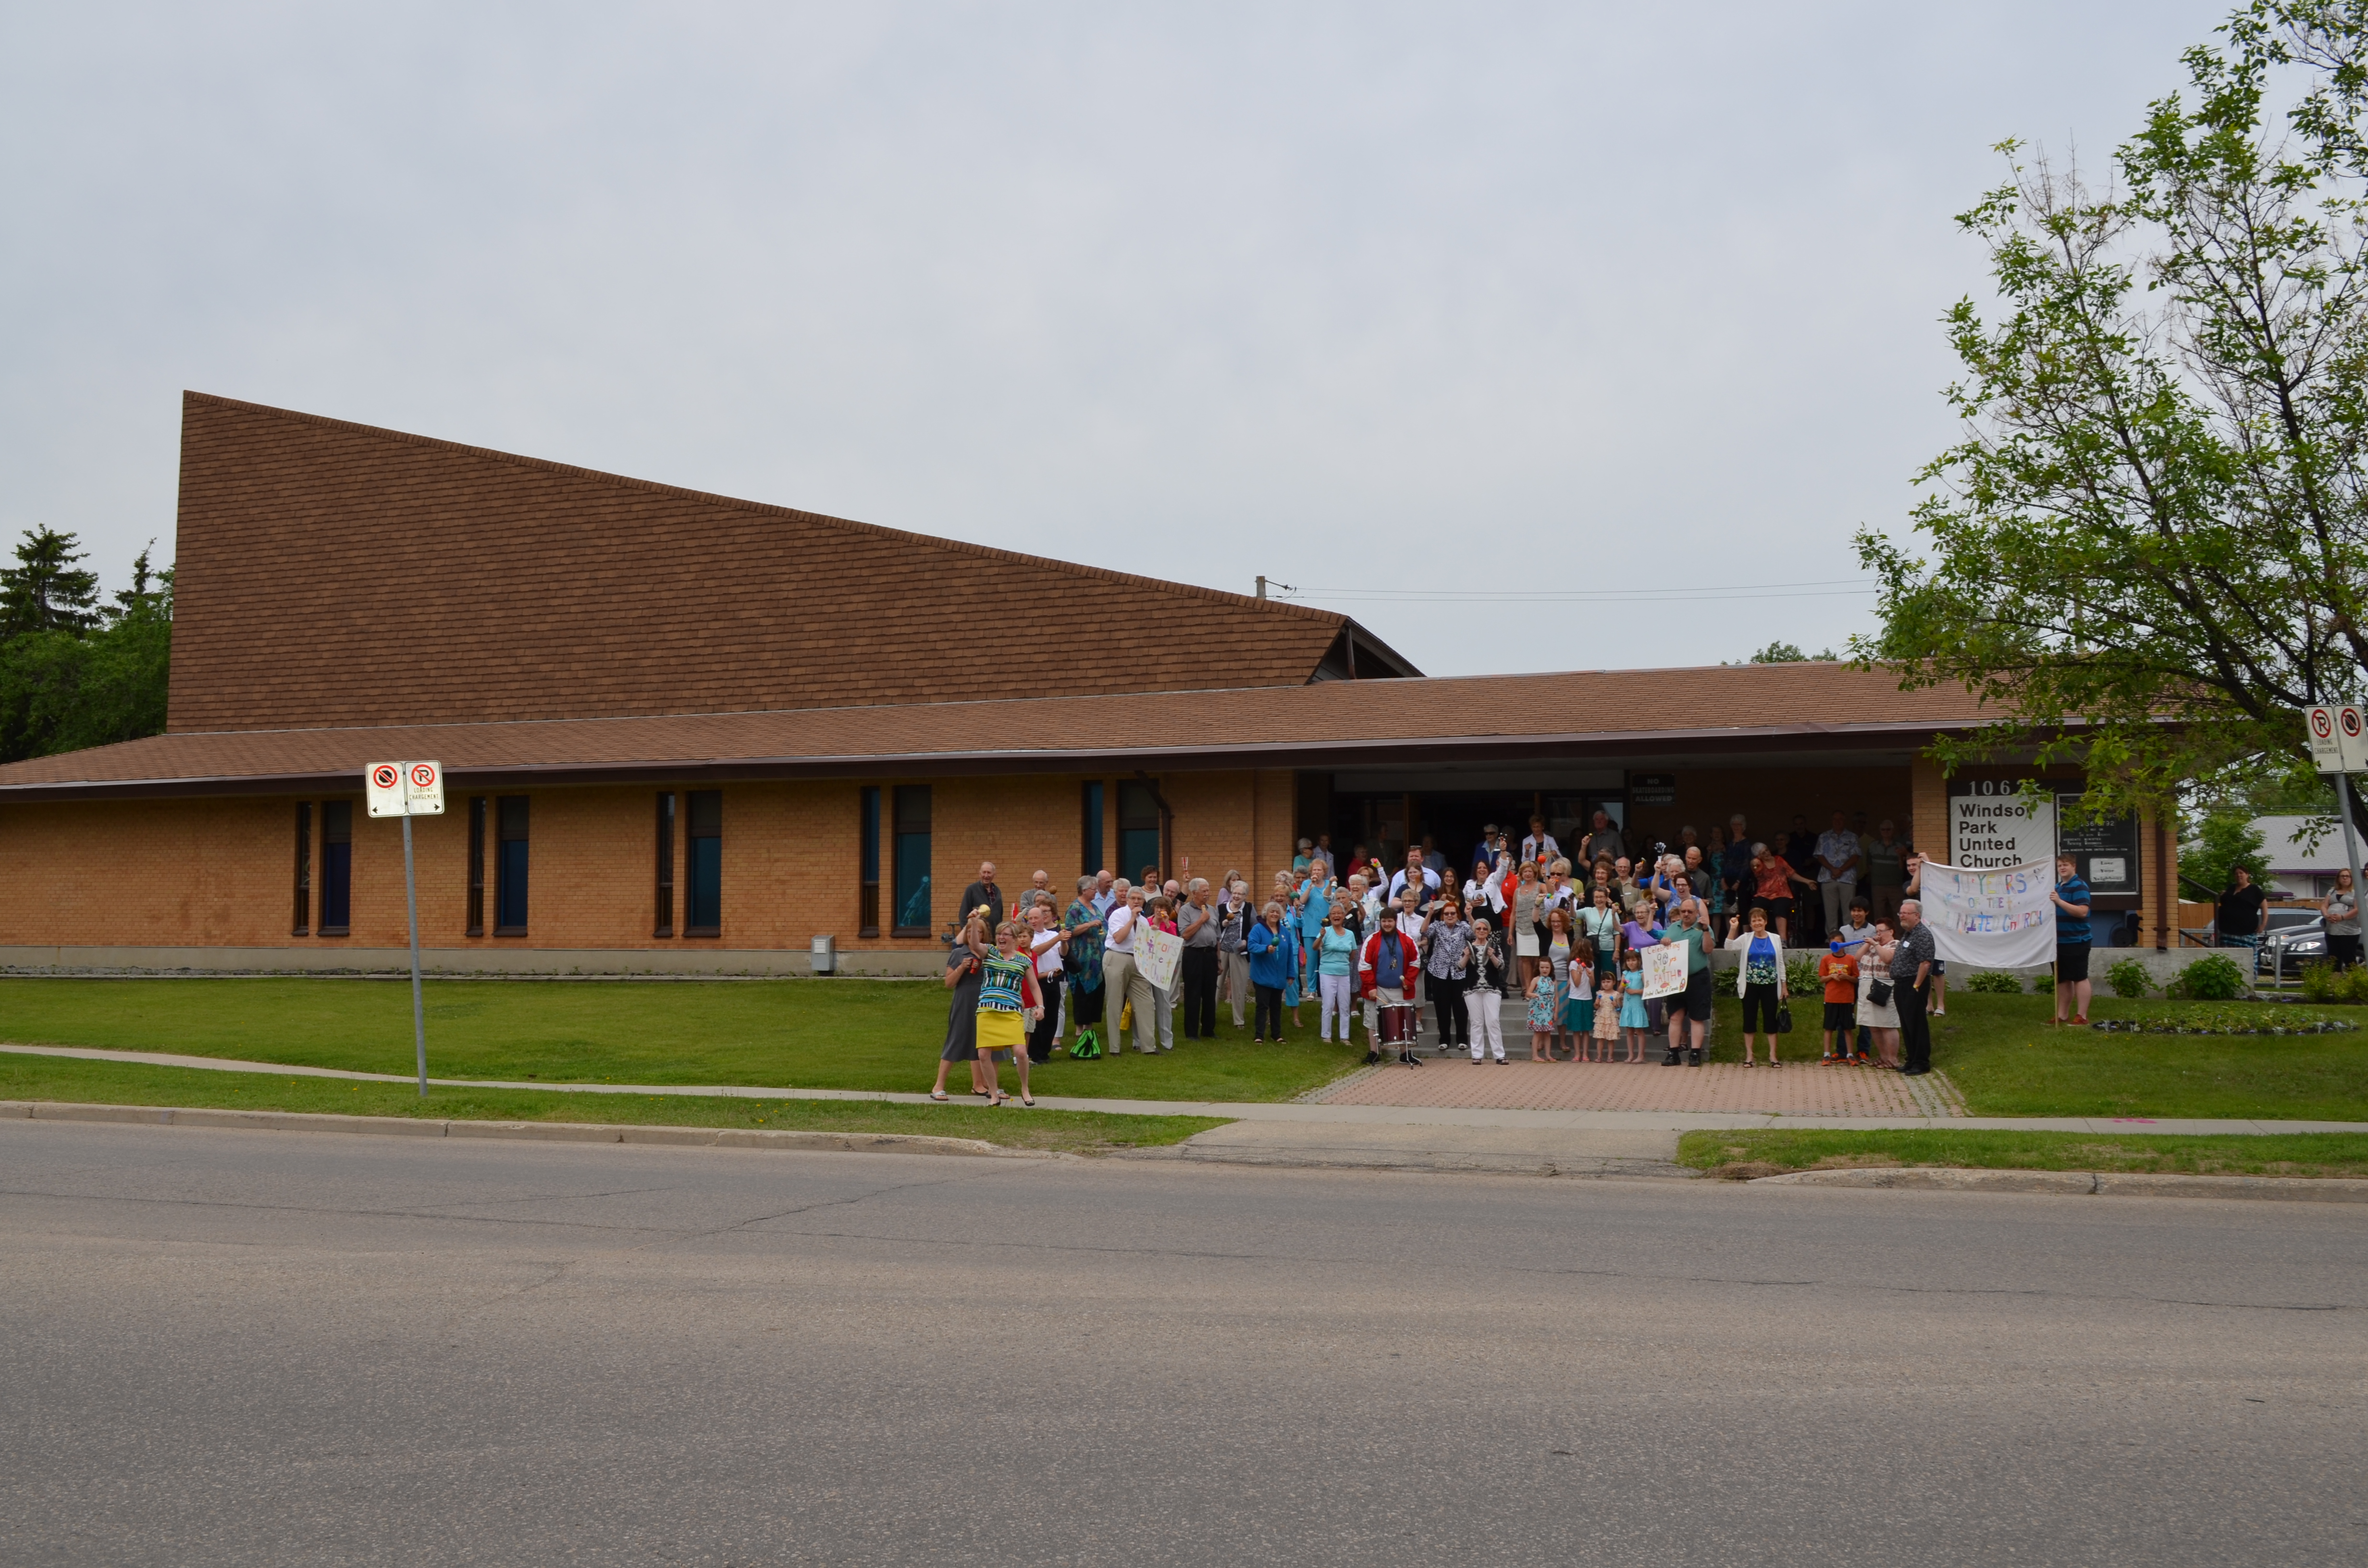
[940, 1095]
[1025, 1100]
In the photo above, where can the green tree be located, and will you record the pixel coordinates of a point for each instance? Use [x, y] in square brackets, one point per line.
[2151, 547]
[66, 686]
[1781, 652]
[2225, 842]
[45, 591]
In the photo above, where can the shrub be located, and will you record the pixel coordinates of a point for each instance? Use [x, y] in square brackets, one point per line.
[2320, 983]
[1995, 982]
[2130, 979]
[2212, 978]
[1801, 977]
[2044, 983]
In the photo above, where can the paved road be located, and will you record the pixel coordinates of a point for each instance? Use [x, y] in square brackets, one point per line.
[280, 1347]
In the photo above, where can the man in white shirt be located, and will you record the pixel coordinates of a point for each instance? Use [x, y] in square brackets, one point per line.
[1837, 856]
[1122, 983]
[1045, 941]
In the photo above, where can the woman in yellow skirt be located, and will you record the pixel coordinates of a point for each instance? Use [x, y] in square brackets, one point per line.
[1007, 995]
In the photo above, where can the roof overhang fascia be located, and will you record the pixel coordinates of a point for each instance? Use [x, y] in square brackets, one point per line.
[1202, 758]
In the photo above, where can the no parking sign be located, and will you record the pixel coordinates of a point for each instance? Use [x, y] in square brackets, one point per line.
[404, 789]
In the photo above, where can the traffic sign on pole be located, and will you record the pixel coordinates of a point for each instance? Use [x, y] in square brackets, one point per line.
[404, 788]
[2325, 752]
[409, 789]
[2351, 738]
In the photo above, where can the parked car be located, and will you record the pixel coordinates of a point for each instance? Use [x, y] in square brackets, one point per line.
[2292, 939]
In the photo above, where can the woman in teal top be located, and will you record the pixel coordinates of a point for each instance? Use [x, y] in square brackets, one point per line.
[1334, 952]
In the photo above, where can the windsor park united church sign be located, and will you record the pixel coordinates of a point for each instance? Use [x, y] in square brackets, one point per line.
[1992, 826]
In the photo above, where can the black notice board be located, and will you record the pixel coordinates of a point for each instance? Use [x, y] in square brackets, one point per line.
[2106, 852]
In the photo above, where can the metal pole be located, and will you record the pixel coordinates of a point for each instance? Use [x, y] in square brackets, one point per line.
[2351, 848]
[411, 899]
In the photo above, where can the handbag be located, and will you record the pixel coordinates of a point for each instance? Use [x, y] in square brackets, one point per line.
[1784, 1019]
[1880, 994]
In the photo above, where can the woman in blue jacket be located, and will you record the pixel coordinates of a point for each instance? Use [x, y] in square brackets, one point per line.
[1274, 963]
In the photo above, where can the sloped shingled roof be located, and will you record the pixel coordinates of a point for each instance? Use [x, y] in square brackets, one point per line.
[1735, 710]
[334, 574]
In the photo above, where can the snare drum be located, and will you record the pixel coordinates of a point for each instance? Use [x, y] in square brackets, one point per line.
[1396, 1019]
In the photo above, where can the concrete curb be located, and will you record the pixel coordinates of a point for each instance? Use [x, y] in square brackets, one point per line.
[2308, 1189]
[536, 1132]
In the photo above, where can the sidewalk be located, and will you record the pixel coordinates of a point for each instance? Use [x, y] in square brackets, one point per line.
[1313, 1113]
[1798, 1089]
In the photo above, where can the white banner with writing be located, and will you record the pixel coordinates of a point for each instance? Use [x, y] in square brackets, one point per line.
[1998, 917]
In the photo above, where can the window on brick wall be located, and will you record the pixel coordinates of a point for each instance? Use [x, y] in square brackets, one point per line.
[867, 871]
[703, 911]
[664, 926]
[336, 867]
[304, 924]
[476, 865]
[1089, 833]
[912, 809]
[509, 865]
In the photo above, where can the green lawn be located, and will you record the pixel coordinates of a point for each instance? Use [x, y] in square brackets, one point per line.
[805, 1034]
[126, 1082]
[2007, 1060]
[1744, 1154]
[883, 1035]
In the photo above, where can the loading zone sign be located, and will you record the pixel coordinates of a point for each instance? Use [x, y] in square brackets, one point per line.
[404, 789]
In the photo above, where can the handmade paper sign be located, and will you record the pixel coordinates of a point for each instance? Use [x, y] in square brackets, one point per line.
[1157, 954]
[1665, 971]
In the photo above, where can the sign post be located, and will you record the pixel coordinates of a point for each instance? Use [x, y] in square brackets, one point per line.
[2339, 745]
[407, 789]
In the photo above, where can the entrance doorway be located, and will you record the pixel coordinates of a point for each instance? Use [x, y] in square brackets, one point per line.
[1386, 824]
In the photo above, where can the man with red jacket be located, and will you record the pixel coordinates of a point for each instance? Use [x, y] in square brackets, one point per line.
[1385, 971]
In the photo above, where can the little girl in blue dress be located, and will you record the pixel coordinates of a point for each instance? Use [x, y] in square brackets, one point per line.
[1634, 1020]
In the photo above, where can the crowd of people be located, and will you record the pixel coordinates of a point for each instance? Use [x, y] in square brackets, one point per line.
[1556, 940]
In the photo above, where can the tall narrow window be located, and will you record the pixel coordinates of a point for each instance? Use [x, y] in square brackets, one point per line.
[913, 860]
[510, 865]
[1089, 842]
[1138, 831]
[336, 867]
[476, 865]
[664, 926]
[304, 868]
[867, 914]
[704, 913]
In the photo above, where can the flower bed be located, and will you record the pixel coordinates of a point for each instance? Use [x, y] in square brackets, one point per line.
[2219, 1021]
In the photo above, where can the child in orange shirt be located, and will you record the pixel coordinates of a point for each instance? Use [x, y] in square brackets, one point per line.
[1838, 969]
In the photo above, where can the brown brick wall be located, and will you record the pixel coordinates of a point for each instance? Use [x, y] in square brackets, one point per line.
[220, 873]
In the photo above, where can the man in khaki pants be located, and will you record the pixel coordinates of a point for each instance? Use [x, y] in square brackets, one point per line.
[1122, 982]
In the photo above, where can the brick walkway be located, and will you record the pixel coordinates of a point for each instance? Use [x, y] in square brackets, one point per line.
[1797, 1088]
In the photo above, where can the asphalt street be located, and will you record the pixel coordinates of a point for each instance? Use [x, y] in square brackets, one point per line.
[320, 1348]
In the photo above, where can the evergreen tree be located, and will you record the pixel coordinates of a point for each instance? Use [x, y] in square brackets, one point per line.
[45, 591]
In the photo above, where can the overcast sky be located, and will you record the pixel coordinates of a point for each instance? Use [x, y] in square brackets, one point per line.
[1370, 298]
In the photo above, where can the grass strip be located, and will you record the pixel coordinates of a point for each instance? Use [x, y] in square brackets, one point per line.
[1741, 1156]
[110, 1082]
[844, 1033]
